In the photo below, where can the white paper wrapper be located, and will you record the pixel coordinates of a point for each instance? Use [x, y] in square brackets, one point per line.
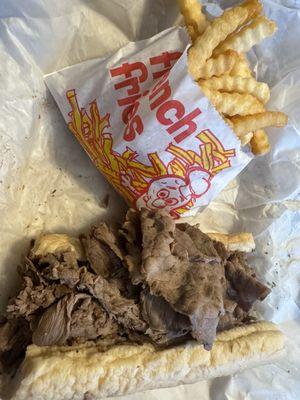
[47, 182]
[147, 126]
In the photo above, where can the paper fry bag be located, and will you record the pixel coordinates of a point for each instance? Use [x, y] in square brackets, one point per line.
[148, 127]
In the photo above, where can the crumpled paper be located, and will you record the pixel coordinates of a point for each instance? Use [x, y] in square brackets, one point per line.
[47, 182]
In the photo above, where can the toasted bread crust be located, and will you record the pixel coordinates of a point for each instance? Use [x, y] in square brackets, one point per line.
[70, 372]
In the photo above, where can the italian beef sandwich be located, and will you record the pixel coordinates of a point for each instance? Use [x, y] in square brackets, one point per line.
[145, 305]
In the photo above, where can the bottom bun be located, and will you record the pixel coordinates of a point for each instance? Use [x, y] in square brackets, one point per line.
[87, 372]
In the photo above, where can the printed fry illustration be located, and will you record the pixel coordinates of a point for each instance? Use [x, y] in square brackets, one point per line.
[154, 184]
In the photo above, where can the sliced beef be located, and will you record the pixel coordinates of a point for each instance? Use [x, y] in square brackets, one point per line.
[29, 269]
[102, 343]
[158, 239]
[31, 299]
[106, 258]
[15, 335]
[232, 317]
[132, 235]
[103, 250]
[245, 288]
[201, 298]
[54, 325]
[98, 258]
[74, 316]
[202, 245]
[69, 259]
[63, 269]
[42, 284]
[221, 250]
[90, 321]
[124, 310]
[165, 324]
[107, 236]
[187, 275]
[150, 281]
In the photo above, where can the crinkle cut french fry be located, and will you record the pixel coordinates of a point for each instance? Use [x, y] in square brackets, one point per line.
[252, 123]
[254, 9]
[233, 103]
[192, 32]
[219, 65]
[215, 33]
[248, 36]
[241, 67]
[260, 142]
[194, 18]
[227, 120]
[245, 139]
[226, 83]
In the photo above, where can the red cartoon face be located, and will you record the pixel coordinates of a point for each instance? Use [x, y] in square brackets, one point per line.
[167, 192]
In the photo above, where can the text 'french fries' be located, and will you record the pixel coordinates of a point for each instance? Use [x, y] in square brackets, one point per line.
[217, 61]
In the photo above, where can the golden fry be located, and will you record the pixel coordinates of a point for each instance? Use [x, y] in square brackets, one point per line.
[226, 83]
[194, 18]
[260, 142]
[219, 65]
[245, 139]
[241, 67]
[226, 78]
[233, 103]
[192, 32]
[215, 33]
[227, 120]
[254, 9]
[248, 36]
[252, 123]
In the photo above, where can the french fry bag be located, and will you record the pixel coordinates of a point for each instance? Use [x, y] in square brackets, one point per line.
[147, 126]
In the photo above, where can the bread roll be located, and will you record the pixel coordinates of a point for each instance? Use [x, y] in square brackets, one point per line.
[235, 242]
[87, 372]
